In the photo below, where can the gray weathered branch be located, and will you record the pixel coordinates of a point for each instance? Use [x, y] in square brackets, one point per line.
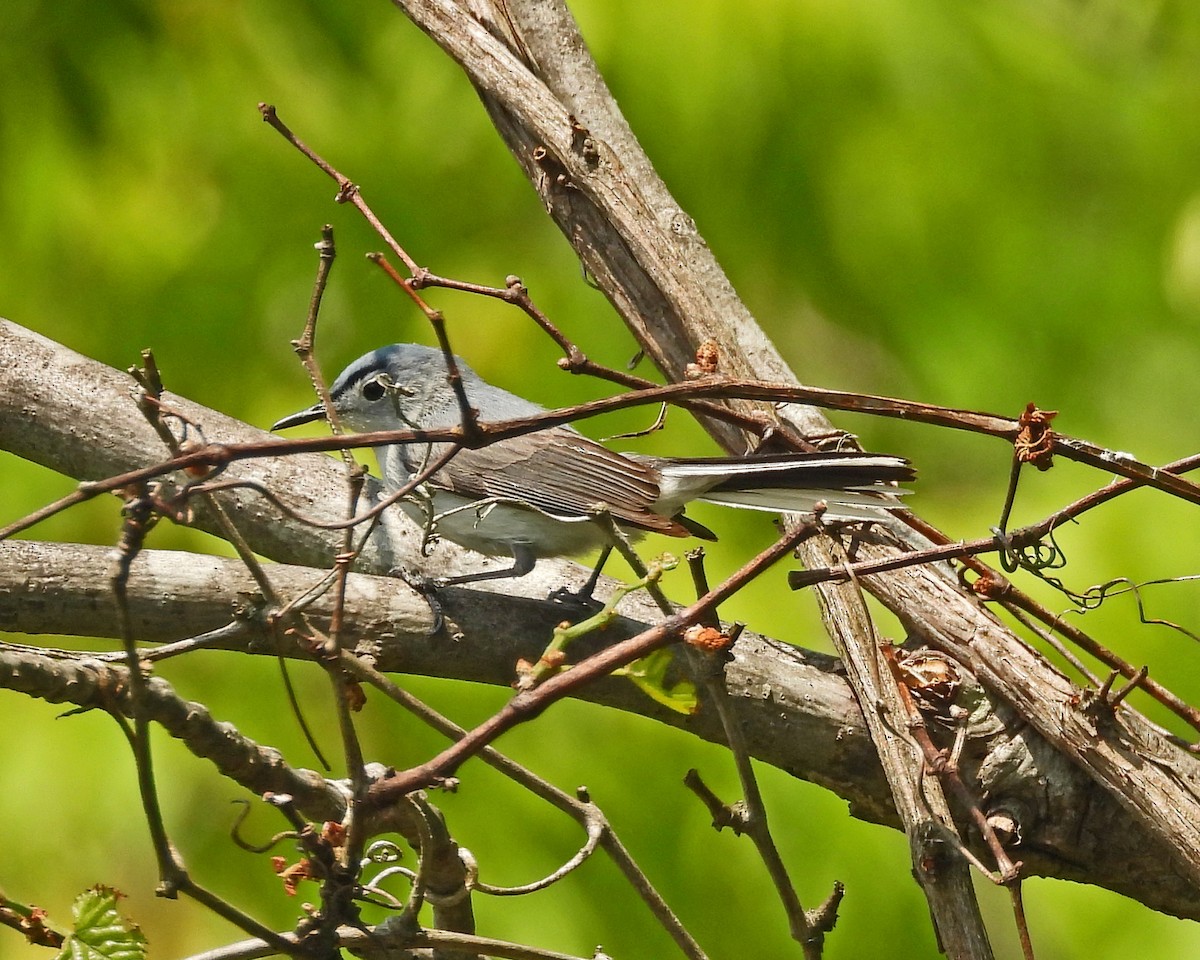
[795, 707]
[553, 109]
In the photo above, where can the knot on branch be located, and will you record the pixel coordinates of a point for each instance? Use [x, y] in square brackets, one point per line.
[1034, 442]
[708, 359]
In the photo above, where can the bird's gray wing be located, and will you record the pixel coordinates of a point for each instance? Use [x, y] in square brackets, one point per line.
[564, 474]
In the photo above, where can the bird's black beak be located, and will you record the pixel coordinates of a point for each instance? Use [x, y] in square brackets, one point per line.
[315, 412]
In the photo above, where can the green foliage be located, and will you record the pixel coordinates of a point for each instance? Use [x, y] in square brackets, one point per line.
[653, 676]
[974, 204]
[100, 932]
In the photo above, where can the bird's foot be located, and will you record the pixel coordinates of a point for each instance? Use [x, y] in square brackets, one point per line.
[427, 587]
[581, 599]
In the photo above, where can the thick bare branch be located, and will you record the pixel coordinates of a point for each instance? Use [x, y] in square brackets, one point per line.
[794, 706]
[659, 273]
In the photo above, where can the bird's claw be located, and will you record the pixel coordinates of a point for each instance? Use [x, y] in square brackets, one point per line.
[576, 598]
[427, 587]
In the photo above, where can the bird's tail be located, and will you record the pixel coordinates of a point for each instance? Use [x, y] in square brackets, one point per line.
[854, 486]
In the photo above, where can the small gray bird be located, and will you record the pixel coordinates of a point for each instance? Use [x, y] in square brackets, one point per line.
[533, 496]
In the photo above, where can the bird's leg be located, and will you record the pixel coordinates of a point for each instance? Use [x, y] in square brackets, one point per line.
[583, 596]
[428, 587]
[523, 560]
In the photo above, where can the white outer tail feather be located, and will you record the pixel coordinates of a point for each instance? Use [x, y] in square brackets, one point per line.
[690, 479]
[841, 504]
[719, 468]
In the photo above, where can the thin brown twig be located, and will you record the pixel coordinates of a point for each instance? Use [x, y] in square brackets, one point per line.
[708, 671]
[513, 292]
[581, 809]
[997, 588]
[347, 190]
[371, 514]
[173, 875]
[305, 344]
[398, 939]
[938, 762]
[1015, 892]
[466, 413]
[528, 704]
[575, 361]
[138, 514]
[219, 456]
[345, 693]
[594, 828]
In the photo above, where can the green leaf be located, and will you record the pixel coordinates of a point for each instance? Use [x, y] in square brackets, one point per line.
[101, 933]
[650, 676]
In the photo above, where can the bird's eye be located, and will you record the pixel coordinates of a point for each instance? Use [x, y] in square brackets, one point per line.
[373, 390]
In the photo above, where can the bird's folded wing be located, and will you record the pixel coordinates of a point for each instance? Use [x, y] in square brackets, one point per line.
[563, 474]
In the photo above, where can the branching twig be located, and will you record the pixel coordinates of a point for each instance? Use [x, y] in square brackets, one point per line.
[579, 808]
[530, 703]
[173, 875]
[218, 456]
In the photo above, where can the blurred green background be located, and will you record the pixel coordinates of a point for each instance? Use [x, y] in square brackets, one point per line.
[975, 204]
